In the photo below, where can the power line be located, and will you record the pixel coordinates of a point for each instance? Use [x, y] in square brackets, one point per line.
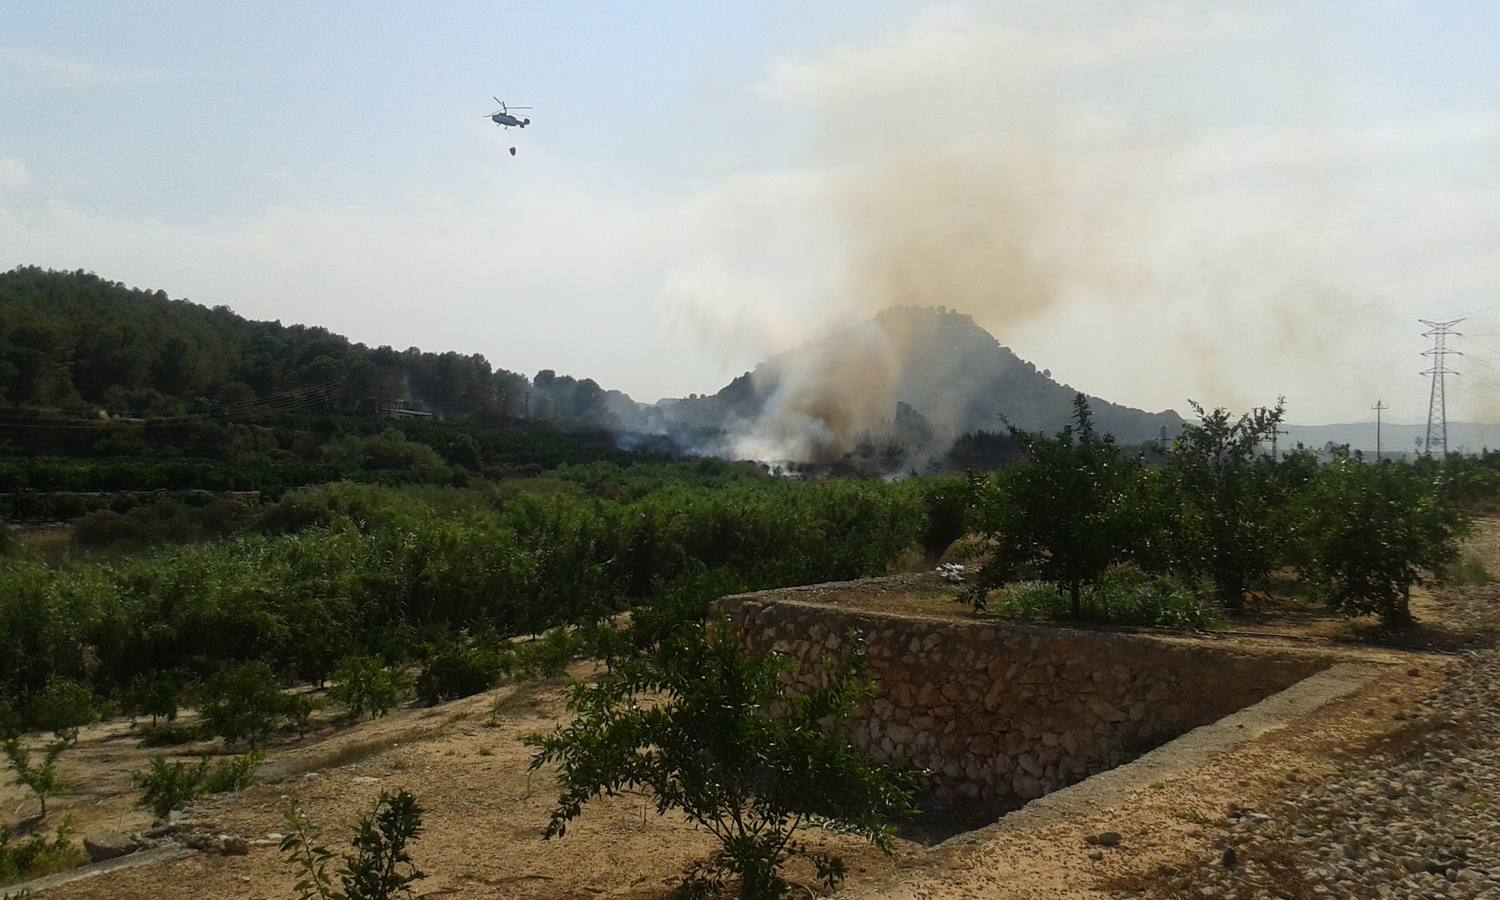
[1437, 399]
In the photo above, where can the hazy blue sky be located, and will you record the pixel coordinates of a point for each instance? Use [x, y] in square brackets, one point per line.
[1157, 201]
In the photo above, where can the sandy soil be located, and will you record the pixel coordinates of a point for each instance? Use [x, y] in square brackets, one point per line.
[483, 822]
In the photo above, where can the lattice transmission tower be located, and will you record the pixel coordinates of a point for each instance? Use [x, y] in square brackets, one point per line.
[1437, 400]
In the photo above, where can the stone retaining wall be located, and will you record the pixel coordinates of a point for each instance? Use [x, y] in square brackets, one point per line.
[1003, 712]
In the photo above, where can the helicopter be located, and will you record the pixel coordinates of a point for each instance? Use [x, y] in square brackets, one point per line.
[503, 117]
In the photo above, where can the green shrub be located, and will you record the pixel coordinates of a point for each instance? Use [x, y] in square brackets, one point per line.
[168, 785]
[38, 855]
[10, 719]
[1226, 493]
[163, 521]
[725, 742]
[683, 602]
[946, 501]
[549, 656]
[230, 775]
[155, 694]
[62, 707]
[459, 669]
[605, 640]
[242, 703]
[172, 785]
[366, 686]
[1467, 569]
[1064, 515]
[380, 868]
[168, 736]
[1030, 600]
[42, 780]
[1123, 595]
[297, 712]
[1366, 534]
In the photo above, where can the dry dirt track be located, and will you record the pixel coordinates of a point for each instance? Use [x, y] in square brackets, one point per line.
[483, 822]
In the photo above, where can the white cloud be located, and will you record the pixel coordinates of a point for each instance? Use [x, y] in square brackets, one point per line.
[955, 46]
[14, 175]
[66, 72]
[595, 284]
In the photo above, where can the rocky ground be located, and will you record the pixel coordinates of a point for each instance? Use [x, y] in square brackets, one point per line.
[1415, 815]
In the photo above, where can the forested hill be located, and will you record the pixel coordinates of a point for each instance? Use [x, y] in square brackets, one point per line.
[75, 343]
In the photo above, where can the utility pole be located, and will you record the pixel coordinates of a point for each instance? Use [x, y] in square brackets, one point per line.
[1276, 431]
[1437, 400]
[1379, 407]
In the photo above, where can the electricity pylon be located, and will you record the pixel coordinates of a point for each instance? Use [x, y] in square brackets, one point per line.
[1437, 401]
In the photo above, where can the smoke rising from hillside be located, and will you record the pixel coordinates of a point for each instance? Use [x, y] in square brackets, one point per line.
[1001, 236]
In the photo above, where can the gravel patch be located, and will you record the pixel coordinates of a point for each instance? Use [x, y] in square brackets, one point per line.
[1417, 815]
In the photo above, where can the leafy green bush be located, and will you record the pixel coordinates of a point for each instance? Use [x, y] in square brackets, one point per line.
[1030, 600]
[242, 703]
[38, 855]
[1228, 492]
[381, 866]
[1467, 569]
[1128, 596]
[234, 774]
[683, 602]
[364, 685]
[1124, 595]
[155, 694]
[42, 780]
[946, 502]
[1063, 515]
[1366, 534]
[162, 521]
[172, 785]
[167, 786]
[458, 668]
[549, 656]
[731, 748]
[297, 712]
[62, 707]
[168, 736]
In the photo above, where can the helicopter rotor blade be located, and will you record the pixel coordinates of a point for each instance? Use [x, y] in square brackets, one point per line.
[497, 100]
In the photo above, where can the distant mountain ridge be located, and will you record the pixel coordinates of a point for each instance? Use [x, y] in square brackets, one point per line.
[909, 379]
[928, 366]
[1470, 437]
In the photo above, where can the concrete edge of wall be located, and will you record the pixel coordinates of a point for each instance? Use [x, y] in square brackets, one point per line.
[1108, 789]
